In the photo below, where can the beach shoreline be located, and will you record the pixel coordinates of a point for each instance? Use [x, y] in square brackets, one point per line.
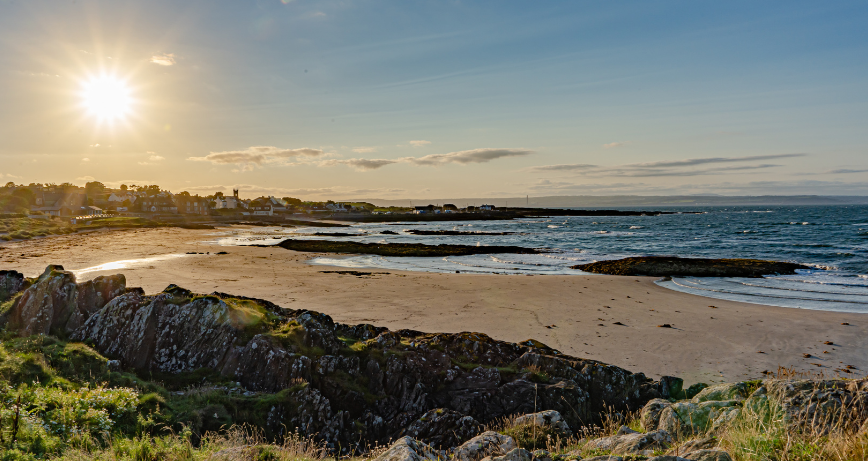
[613, 319]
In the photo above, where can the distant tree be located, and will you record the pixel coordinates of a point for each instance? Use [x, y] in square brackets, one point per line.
[183, 194]
[10, 185]
[292, 201]
[153, 189]
[126, 203]
[26, 195]
[218, 194]
[124, 187]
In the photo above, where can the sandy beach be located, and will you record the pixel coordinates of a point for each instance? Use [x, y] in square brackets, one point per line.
[608, 318]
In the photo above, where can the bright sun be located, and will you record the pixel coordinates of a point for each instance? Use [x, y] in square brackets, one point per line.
[106, 97]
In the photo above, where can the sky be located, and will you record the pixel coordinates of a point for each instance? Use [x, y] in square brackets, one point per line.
[384, 99]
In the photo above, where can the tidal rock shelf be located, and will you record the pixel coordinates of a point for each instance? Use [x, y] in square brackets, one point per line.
[398, 249]
[454, 232]
[662, 266]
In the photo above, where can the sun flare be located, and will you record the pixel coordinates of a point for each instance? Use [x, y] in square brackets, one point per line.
[106, 97]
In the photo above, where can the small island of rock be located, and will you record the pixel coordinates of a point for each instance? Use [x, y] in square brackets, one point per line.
[660, 266]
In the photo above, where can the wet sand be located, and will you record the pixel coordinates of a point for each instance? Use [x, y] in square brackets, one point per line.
[575, 314]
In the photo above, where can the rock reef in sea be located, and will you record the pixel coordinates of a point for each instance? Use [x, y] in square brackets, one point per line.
[662, 266]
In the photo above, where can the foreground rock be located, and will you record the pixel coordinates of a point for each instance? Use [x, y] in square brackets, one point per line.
[661, 266]
[443, 428]
[11, 283]
[549, 419]
[484, 445]
[633, 443]
[55, 304]
[398, 249]
[347, 384]
[408, 449]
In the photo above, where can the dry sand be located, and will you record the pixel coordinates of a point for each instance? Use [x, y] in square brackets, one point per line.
[575, 314]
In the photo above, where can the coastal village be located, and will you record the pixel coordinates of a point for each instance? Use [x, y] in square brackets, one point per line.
[70, 202]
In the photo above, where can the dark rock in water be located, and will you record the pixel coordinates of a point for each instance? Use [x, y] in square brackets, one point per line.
[398, 249]
[453, 232]
[388, 232]
[344, 383]
[661, 266]
[443, 428]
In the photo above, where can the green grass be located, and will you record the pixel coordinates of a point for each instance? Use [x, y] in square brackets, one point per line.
[26, 228]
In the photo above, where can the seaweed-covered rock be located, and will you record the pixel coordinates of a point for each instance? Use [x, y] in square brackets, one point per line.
[443, 428]
[635, 443]
[661, 266]
[483, 445]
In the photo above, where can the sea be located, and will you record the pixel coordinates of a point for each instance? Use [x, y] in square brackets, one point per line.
[831, 240]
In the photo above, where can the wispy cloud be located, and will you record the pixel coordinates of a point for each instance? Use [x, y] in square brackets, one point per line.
[313, 193]
[846, 171]
[156, 158]
[255, 156]
[707, 160]
[361, 164]
[564, 167]
[84, 178]
[668, 167]
[364, 150]
[419, 143]
[616, 144]
[166, 59]
[468, 156]
[85, 159]
[463, 157]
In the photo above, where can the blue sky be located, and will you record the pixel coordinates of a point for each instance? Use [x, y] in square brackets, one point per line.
[381, 99]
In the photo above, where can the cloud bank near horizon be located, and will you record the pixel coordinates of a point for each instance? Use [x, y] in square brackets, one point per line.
[256, 156]
[669, 167]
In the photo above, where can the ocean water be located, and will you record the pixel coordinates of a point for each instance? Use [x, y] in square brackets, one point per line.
[832, 240]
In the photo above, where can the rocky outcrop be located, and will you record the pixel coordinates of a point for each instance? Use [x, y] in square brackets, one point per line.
[345, 383]
[661, 266]
[56, 304]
